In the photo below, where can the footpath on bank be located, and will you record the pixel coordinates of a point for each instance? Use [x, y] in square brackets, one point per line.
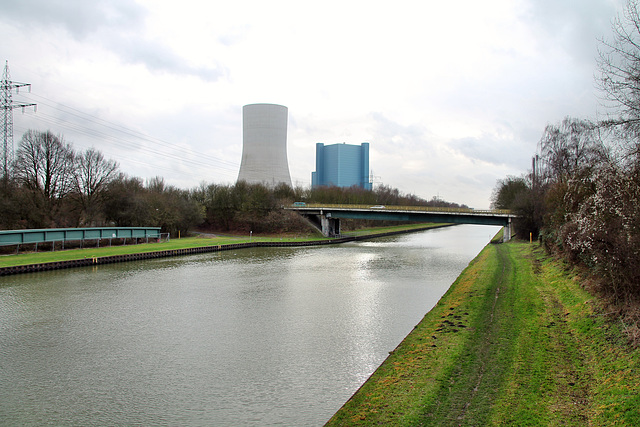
[515, 341]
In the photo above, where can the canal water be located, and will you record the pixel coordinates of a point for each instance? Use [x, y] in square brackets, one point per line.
[265, 336]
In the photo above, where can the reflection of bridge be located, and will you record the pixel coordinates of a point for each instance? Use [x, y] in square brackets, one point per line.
[327, 217]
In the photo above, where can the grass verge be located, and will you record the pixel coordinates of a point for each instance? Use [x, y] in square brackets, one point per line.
[515, 341]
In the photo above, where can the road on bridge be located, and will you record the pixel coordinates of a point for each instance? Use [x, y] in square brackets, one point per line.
[327, 217]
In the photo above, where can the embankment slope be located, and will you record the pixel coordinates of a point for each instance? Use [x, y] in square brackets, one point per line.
[514, 341]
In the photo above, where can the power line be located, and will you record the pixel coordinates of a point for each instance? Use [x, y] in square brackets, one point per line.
[96, 134]
[122, 132]
[118, 136]
[115, 135]
[121, 142]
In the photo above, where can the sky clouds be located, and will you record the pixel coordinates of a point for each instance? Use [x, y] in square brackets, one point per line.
[451, 95]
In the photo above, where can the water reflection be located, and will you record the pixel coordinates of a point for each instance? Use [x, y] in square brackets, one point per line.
[253, 337]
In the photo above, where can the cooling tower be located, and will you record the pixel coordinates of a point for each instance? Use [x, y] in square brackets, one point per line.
[264, 145]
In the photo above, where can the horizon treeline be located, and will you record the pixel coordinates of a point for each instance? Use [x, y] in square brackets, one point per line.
[50, 185]
[581, 198]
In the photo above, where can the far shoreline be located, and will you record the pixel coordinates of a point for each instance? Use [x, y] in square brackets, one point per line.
[48, 261]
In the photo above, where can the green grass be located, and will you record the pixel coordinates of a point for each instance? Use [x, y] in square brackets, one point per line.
[515, 341]
[184, 243]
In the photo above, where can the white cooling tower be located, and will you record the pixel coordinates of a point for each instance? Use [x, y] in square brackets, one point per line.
[264, 145]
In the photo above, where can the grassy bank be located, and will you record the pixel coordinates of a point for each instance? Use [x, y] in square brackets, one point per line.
[184, 243]
[515, 341]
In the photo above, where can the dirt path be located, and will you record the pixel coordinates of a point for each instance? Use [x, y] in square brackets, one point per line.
[465, 397]
[515, 341]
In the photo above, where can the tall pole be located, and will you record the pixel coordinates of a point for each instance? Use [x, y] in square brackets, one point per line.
[7, 105]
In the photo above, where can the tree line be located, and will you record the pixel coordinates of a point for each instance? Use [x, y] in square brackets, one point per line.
[52, 185]
[581, 198]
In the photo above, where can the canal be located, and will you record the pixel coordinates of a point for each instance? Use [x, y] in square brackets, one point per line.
[263, 336]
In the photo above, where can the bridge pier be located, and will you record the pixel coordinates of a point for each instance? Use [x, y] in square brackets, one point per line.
[506, 231]
[325, 223]
[330, 226]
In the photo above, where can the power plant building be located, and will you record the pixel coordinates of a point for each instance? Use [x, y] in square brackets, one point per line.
[342, 165]
[264, 145]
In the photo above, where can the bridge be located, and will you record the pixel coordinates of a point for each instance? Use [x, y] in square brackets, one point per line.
[62, 235]
[326, 217]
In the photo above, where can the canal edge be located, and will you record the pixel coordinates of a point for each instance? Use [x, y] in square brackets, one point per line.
[111, 259]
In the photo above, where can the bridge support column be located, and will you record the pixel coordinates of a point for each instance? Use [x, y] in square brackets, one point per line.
[330, 226]
[506, 232]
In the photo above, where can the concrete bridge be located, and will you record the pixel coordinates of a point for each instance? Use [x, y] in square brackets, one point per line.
[327, 217]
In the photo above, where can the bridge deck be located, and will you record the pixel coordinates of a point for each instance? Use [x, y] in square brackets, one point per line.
[300, 205]
[409, 213]
[327, 217]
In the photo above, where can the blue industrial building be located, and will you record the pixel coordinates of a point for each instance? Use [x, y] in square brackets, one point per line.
[342, 165]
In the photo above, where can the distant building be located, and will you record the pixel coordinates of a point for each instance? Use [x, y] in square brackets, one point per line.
[342, 165]
[264, 145]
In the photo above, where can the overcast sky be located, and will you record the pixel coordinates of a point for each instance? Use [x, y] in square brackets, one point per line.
[451, 95]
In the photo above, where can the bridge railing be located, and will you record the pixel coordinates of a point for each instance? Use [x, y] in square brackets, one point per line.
[47, 235]
[402, 208]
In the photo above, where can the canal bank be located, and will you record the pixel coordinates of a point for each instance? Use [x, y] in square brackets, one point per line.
[131, 254]
[259, 336]
[516, 340]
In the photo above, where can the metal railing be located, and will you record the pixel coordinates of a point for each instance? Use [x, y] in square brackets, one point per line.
[403, 208]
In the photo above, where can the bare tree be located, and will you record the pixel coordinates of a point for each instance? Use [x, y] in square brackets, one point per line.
[619, 80]
[93, 174]
[567, 147]
[45, 166]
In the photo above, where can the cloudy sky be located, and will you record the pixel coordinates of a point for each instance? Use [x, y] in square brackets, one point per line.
[451, 95]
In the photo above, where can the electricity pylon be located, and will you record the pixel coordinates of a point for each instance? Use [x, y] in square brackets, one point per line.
[7, 118]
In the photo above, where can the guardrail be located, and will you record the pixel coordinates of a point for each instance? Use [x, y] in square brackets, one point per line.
[403, 208]
[55, 235]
